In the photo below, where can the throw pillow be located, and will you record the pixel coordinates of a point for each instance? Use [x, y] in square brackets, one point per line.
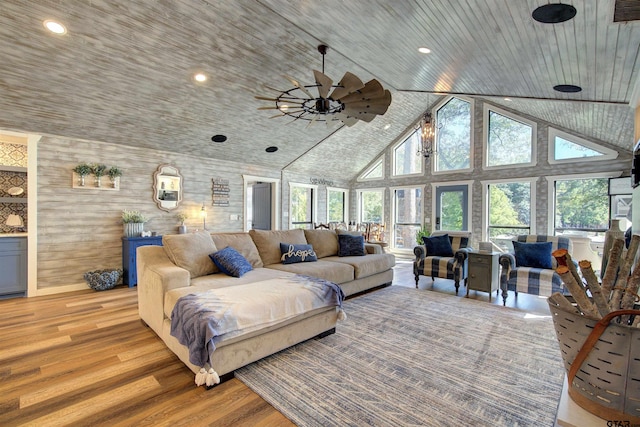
[231, 262]
[191, 252]
[292, 254]
[349, 245]
[537, 255]
[438, 245]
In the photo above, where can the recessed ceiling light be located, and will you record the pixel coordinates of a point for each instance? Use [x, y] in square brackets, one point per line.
[54, 27]
[424, 50]
[567, 88]
[200, 77]
[554, 13]
[218, 138]
[507, 99]
[387, 126]
[271, 149]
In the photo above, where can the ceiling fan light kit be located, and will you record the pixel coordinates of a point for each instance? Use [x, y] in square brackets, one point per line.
[348, 101]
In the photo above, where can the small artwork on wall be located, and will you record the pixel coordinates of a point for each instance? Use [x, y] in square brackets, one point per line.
[220, 192]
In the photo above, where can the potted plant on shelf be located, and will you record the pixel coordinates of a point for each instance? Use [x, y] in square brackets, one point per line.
[114, 173]
[82, 170]
[133, 222]
[182, 229]
[98, 171]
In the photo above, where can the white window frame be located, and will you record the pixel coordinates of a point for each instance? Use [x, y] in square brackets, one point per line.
[346, 202]
[379, 161]
[359, 202]
[551, 181]
[533, 181]
[434, 115]
[607, 153]
[394, 173]
[392, 221]
[517, 118]
[314, 201]
[434, 187]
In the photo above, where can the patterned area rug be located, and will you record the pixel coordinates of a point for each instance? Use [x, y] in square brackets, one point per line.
[413, 357]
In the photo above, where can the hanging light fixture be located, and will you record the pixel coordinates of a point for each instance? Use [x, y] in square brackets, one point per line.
[427, 136]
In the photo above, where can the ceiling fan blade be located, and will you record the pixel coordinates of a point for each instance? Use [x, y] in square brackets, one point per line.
[347, 119]
[372, 89]
[377, 106]
[269, 108]
[348, 84]
[277, 115]
[324, 83]
[264, 98]
[299, 86]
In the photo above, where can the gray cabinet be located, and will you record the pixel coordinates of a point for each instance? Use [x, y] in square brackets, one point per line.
[483, 272]
[13, 265]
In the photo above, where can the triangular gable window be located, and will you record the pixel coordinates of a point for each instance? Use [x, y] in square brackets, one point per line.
[568, 148]
[374, 172]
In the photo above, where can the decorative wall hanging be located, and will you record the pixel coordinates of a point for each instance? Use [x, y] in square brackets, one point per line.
[220, 192]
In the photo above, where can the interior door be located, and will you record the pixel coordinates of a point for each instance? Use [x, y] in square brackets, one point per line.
[452, 207]
[261, 205]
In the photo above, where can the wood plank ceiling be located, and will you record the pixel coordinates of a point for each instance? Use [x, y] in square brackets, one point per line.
[123, 72]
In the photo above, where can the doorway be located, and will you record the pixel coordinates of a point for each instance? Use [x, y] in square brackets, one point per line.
[452, 207]
[261, 202]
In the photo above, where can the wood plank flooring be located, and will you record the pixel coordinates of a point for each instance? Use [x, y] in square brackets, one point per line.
[86, 359]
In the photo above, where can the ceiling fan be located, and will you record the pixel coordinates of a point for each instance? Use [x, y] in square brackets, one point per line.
[348, 101]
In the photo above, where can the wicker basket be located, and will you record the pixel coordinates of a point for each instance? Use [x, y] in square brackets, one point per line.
[606, 378]
[101, 280]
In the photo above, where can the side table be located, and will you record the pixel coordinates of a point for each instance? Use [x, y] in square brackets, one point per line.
[483, 272]
[129, 246]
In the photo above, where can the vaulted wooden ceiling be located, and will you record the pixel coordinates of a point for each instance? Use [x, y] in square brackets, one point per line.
[123, 72]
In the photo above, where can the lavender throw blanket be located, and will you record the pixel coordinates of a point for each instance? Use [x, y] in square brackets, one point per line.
[202, 319]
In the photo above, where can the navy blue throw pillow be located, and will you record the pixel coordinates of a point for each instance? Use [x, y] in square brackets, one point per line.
[292, 254]
[438, 245]
[349, 245]
[231, 262]
[537, 255]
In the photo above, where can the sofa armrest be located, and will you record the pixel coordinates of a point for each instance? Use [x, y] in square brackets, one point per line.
[156, 275]
[420, 252]
[507, 261]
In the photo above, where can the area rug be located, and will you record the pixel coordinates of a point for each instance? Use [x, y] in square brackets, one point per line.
[413, 357]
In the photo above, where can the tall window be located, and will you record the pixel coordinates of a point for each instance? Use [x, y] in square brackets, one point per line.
[510, 140]
[453, 136]
[337, 205]
[302, 207]
[406, 160]
[371, 206]
[407, 216]
[581, 206]
[510, 211]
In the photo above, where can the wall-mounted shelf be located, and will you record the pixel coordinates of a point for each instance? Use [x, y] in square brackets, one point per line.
[90, 183]
[13, 200]
[13, 168]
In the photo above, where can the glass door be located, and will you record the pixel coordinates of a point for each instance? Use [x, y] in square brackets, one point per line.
[407, 217]
[452, 207]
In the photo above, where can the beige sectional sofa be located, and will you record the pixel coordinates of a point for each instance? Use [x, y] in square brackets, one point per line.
[182, 266]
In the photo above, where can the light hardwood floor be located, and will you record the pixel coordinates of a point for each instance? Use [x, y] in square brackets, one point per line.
[86, 359]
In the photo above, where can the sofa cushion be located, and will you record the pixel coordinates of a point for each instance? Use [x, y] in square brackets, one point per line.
[268, 242]
[438, 245]
[191, 252]
[292, 254]
[331, 271]
[230, 262]
[349, 245]
[536, 255]
[242, 243]
[365, 266]
[324, 242]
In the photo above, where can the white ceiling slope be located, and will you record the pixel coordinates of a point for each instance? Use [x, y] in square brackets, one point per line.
[122, 73]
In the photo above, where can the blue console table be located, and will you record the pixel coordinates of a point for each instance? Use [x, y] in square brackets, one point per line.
[129, 246]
